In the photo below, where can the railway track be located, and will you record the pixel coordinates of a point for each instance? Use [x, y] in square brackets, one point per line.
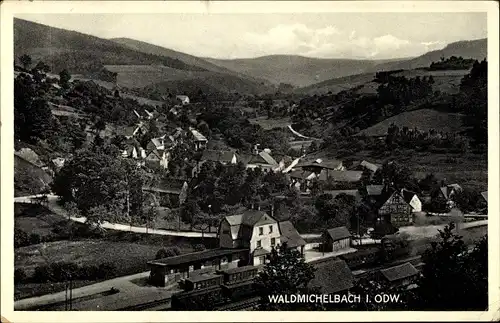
[241, 305]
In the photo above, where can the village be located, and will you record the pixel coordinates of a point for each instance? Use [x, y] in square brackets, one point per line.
[246, 237]
[149, 179]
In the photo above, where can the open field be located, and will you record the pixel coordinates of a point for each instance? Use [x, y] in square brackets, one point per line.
[136, 76]
[268, 124]
[127, 257]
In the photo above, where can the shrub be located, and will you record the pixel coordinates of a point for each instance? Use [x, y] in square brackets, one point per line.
[19, 276]
[21, 238]
[88, 272]
[168, 252]
[42, 274]
[61, 271]
[34, 238]
[106, 270]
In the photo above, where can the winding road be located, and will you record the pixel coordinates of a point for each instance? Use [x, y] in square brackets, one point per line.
[59, 210]
[414, 232]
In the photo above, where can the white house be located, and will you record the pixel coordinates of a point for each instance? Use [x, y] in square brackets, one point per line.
[257, 231]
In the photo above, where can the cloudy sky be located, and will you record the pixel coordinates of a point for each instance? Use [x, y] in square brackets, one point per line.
[325, 35]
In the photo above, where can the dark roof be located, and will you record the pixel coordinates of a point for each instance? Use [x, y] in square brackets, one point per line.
[341, 175]
[217, 155]
[260, 158]
[261, 252]
[332, 276]
[399, 272]
[407, 195]
[195, 257]
[248, 217]
[170, 186]
[237, 270]
[338, 233]
[374, 190]
[328, 164]
[202, 277]
[299, 174]
[290, 235]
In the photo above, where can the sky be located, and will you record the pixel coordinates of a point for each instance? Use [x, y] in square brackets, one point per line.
[322, 35]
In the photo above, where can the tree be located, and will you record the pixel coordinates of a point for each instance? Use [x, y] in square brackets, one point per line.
[453, 278]
[64, 78]
[25, 61]
[32, 115]
[91, 178]
[394, 175]
[189, 210]
[285, 273]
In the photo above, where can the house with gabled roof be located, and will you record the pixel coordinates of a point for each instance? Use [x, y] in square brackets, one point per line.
[158, 158]
[290, 236]
[301, 179]
[318, 165]
[394, 208]
[259, 232]
[200, 141]
[225, 157]
[173, 189]
[336, 239]
[261, 160]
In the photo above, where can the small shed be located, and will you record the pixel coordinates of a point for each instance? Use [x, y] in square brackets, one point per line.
[336, 239]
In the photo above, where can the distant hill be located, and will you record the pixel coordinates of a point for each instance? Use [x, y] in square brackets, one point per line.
[186, 58]
[423, 119]
[137, 64]
[476, 49]
[80, 53]
[446, 81]
[298, 71]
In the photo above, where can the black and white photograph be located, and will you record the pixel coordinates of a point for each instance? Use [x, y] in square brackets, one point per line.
[246, 161]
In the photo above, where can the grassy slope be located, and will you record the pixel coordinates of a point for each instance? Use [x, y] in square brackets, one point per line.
[28, 178]
[445, 81]
[424, 119]
[186, 58]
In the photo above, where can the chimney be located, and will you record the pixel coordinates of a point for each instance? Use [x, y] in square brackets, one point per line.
[258, 207]
[272, 210]
[256, 149]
